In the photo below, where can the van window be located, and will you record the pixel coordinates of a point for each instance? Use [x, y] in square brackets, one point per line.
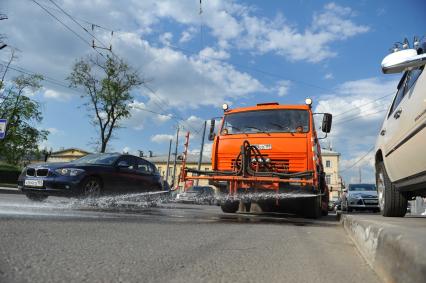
[400, 94]
[407, 81]
[412, 77]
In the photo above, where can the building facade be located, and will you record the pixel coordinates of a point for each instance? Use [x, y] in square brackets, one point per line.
[330, 161]
[66, 155]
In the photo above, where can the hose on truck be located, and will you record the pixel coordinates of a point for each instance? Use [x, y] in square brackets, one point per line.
[242, 164]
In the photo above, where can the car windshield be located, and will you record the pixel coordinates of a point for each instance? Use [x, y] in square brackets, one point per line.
[281, 120]
[362, 187]
[100, 159]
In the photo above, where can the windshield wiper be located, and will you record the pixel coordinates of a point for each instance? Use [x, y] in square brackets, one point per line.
[259, 130]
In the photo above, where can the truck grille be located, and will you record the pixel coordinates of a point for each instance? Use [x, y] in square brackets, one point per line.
[280, 165]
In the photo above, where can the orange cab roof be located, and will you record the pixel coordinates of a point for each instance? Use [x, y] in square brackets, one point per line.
[269, 106]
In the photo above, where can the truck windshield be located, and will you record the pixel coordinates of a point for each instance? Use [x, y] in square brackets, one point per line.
[280, 120]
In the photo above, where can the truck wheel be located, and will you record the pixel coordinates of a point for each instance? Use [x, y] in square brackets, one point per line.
[392, 202]
[312, 207]
[230, 206]
[35, 197]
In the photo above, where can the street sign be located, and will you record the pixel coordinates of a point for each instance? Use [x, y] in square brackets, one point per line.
[3, 123]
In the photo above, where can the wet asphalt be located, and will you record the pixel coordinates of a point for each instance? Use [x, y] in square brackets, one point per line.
[122, 239]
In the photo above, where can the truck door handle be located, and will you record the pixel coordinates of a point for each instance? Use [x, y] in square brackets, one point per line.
[397, 113]
[383, 132]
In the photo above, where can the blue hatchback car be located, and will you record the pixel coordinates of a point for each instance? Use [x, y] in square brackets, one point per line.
[92, 175]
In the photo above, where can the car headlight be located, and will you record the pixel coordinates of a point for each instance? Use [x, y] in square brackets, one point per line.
[23, 170]
[69, 171]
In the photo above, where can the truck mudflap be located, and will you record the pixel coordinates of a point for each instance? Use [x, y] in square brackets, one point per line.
[252, 171]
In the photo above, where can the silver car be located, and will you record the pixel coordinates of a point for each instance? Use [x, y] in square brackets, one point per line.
[360, 197]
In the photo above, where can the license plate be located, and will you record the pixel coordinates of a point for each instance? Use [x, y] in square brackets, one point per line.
[33, 183]
[371, 201]
[263, 146]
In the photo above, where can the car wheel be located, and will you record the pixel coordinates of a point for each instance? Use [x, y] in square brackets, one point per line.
[349, 209]
[36, 197]
[92, 187]
[392, 202]
[230, 206]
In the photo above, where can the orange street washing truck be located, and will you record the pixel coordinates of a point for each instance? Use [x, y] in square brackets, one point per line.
[268, 156]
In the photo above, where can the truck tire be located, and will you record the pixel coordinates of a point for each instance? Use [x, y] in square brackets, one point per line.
[392, 202]
[312, 207]
[230, 206]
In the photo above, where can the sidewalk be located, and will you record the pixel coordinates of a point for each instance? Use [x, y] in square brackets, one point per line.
[9, 190]
[394, 247]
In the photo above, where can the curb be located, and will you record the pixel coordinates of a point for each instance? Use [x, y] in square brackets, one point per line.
[393, 253]
[5, 190]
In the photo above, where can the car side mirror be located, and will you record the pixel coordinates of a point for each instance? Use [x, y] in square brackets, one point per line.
[402, 61]
[123, 164]
[326, 122]
[211, 133]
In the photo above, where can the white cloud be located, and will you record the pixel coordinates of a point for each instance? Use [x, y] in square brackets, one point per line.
[283, 87]
[187, 35]
[329, 76]
[166, 38]
[312, 44]
[56, 95]
[161, 138]
[210, 53]
[187, 81]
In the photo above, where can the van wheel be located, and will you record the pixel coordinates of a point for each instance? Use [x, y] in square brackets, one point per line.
[36, 197]
[230, 206]
[392, 202]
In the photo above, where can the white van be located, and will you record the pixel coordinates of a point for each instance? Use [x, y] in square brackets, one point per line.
[401, 145]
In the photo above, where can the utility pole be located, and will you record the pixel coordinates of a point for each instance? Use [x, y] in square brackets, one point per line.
[168, 161]
[174, 162]
[200, 159]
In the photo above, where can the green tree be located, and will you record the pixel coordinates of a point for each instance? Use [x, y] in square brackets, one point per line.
[22, 137]
[107, 85]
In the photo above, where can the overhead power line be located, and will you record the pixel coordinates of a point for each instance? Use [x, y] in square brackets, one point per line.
[358, 161]
[75, 21]
[359, 116]
[360, 107]
[54, 81]
[66, 26]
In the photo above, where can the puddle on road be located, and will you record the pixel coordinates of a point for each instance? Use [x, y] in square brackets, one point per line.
[154, 206]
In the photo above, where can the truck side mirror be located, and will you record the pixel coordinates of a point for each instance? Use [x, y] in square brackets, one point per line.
[212, 134]
[326, 122]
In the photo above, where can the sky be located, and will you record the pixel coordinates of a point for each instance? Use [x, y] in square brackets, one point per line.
[238, 52]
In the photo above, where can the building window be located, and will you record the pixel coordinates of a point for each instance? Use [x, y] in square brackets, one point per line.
[328, 163]
[328, 179]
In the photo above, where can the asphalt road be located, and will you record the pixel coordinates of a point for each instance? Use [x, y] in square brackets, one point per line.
[120, 240]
